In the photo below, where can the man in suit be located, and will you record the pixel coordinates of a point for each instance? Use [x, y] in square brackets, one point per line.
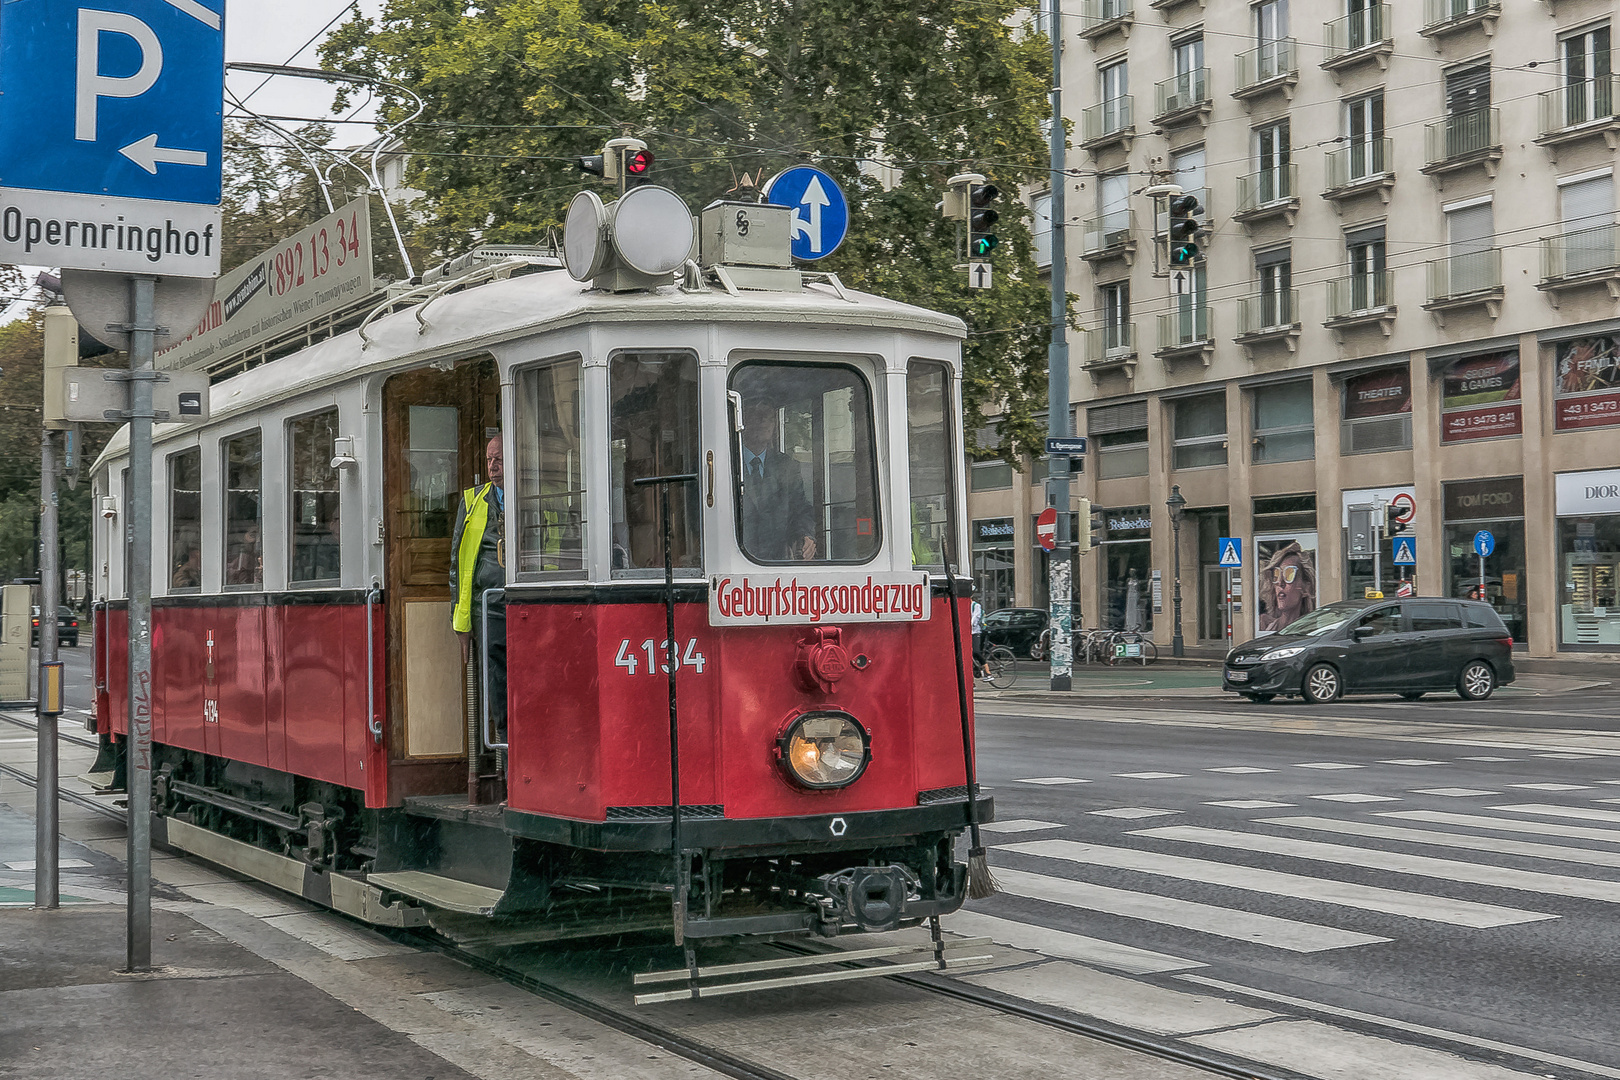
[778, 522]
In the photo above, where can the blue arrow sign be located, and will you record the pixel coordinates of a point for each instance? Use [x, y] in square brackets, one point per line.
[1484, 543]
[1231, 549]
[820, 212]
[1405, 552]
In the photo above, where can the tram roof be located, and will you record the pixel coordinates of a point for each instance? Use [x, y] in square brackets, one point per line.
[464, 323]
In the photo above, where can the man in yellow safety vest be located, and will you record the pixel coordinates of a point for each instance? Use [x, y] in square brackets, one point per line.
[479, 548]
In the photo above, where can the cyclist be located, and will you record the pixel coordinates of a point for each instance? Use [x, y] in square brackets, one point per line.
[976, 623]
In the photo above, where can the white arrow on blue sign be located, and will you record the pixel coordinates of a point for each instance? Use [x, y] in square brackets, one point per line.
[1484, 543]
[820, 219]
[1231, 549]
[112, 134]
[1405, 552]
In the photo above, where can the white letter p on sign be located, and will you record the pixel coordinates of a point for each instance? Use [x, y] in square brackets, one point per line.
[91, 84]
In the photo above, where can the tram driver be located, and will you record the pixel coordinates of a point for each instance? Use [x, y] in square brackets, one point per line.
[478, 549]
[778, 522]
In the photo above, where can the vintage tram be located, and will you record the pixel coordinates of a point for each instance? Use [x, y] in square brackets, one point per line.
[314, 722]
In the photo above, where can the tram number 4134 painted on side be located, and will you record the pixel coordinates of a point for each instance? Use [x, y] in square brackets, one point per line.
[657, 657]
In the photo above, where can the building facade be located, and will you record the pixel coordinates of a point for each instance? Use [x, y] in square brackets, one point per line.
[1409, 293]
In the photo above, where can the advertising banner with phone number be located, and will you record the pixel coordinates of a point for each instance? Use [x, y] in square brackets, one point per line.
[1480, 399]
[1587, 387]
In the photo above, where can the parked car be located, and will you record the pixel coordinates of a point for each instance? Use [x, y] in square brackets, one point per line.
[1408, 647]
[67, 626]
[1018, 628]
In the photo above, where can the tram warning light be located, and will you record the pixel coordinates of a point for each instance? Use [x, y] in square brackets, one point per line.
[1182, 236]
[625, 163]
[637, 167]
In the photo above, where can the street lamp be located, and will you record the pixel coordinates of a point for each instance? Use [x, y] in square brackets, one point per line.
[1178, 506]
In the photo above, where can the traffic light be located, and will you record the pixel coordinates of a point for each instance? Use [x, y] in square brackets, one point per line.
[1182, 235]
[981, 219]
[624, 162]
[1082, 525]
[1392, 527]
[637, 166]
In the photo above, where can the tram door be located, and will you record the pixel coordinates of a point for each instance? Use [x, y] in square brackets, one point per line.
[435, 427]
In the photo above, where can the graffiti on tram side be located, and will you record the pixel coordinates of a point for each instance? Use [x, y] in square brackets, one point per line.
[755, 600]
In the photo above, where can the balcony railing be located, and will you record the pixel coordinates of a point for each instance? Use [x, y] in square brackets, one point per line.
[1358, 162]
[1584, 251]
[1464, 275]
[1577, 103]
[1184, 328]
[1188, 90]
[1110, 343]
[1106, 118]
[1268, 311]
[1436, 13]
[1273, 60]
[1266, 187]
[1462, 134]
[1360, 294]
[1369, 26]
[1107, 232]
[1095, 13]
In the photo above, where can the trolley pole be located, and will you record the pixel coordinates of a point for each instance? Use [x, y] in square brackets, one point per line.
[1060, 582]
[139, 750]
[47, 878]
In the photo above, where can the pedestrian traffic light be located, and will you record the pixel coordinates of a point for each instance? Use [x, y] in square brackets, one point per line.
[1182, 236]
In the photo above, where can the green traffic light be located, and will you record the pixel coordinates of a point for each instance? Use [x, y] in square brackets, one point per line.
[1182, 254]
[983, 245]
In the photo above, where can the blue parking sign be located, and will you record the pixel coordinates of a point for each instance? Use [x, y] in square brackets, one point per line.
[820, 219]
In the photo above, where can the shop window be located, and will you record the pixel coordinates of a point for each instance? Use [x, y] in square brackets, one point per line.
[1120, 433]
[930, 462]
[1377, 412]
[653, 431]
[1200, 427]
[185, 519]
[244, 554]
[1284, 425]
[1497, 506]
[1589, 558]
[316, 525]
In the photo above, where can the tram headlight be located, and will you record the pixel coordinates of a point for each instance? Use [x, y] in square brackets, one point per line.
[825, 750]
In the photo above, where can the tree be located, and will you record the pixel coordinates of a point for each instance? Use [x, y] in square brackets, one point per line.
[890, 98]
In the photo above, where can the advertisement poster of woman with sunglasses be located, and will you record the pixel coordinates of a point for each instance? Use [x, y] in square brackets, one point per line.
[1287, 579]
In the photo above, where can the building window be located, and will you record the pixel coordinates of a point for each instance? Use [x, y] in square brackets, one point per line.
[1113, 212]
[1041, 208]
[549, 479]
[1274, 268]
[653, 431]
[316, 524]
[1588, 67]
[1367, 287]
[1377, 412]
[930, 460]
[1114, 90]
[1284, 425]
[993, 562]
[1364, 134]
[1495, 506]
[185, 519]
[1120, 433]
[1200, 426]
[991, 475]
[1116, 325]
[1272, 155]
[1586, 214]
[244, 553]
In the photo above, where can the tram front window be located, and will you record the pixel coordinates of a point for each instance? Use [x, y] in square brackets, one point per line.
[929, 459]
[655, 432]
[806, 466]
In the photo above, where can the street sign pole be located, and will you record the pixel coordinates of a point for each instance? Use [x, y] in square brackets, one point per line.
[141, 348]
[1060, 581]
[1482, 595]
[46, 876]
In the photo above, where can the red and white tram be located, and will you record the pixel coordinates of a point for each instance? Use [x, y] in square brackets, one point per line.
[312, 716]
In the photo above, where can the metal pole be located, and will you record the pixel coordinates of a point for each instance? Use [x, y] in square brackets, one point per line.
[143, 316]
[46, 825]
[1060, 579]
[1482, 595]
[1177, 647]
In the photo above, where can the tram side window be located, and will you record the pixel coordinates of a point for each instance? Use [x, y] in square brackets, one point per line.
[550, 481]
[806, 468]
[244, 554]
[929, 459]
[185, 519]
[316, 527]
[654, 431]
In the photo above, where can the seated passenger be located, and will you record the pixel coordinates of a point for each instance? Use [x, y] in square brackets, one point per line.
[778, 522]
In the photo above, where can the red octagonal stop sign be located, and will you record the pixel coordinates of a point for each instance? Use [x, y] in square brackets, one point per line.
[1046, 528]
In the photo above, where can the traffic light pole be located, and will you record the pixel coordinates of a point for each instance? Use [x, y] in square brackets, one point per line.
[47, 880]
[1061, 582]
[143, 317]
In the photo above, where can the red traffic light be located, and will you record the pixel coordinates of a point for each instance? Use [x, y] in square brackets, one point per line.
[638, 164]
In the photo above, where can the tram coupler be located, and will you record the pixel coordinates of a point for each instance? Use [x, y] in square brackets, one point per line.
[874, 898]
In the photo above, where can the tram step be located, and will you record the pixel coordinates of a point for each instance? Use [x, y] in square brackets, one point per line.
[442, 892]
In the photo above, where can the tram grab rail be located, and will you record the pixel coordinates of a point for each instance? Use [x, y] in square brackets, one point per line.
[486, 735]
[373, 721]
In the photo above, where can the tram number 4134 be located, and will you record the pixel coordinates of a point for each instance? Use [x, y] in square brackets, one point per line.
[658, 657]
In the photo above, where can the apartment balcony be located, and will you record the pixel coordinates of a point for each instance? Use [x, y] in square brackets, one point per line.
[1578, 111]
[1111, 236]
[1110, 348]
[1268, 317]
[1273, 66]
[1099, 18]
[1464, 140]
[1361, 38]
[1166, 7]
[1443, 18]
[1361, 300]
[1362, 168]
[1463, 281]
[1182, 100]
[1267, 194]
[1581, 259]
[1184, 334]
[1106, 124]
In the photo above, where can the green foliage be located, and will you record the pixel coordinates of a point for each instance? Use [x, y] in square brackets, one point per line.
[889, 97]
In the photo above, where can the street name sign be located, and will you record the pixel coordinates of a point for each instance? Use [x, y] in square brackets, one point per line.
[111, 134]
[1069, 445]
[1231, 551]
[820, 219]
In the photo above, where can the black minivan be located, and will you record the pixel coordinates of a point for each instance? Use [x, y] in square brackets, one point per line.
[1407, 646]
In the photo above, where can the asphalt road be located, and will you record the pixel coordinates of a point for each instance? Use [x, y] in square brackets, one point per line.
[1437, 872]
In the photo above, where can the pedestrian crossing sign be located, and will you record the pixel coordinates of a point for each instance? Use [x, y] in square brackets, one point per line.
[1231, 549]
[1405, 552]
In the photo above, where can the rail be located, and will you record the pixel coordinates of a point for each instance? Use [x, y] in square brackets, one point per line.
[373, 721]
[487, 734]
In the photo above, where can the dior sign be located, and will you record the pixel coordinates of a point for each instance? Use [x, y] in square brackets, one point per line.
[1595, 492]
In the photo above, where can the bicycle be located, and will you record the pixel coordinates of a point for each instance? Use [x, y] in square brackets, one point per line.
[1122, 642]
[1000, 667]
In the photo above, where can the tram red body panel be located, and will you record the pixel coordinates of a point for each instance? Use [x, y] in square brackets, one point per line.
[588, 731]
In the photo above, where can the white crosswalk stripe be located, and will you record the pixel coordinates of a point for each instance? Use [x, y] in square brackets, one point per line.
[1548, 810]
[1494, 844]
[1479, 821]
[1344, 894]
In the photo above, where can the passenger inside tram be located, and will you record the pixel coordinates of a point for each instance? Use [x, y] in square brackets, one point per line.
[778, 522]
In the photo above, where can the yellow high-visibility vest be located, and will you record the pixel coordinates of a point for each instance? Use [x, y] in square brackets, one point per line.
[472, 538]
